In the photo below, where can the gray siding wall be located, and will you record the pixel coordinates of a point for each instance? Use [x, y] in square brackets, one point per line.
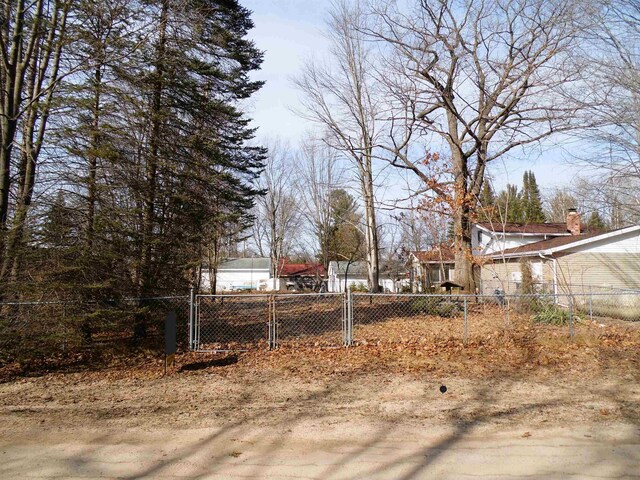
[615, 270]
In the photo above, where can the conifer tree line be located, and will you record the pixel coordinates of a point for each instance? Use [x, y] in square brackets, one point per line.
[513, 204]
[126, 153]
[527, 205]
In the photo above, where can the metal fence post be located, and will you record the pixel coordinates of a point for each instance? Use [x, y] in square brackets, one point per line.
[344, 319]
[570, 317]
[273, 323]
[466, 331]
[590, 303]
[349, 318]
[192, 311]
[270, 321]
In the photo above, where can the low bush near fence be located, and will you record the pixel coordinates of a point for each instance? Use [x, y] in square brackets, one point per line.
[551, 315]
[445, 308]
[49, 332]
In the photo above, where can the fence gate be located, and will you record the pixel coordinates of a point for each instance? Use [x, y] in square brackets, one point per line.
[229, 322]
[240, 322]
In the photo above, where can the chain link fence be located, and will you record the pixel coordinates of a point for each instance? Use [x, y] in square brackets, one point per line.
[239, 322]
[327, 320]
[230, 322]
[37, 330]
[310, 319]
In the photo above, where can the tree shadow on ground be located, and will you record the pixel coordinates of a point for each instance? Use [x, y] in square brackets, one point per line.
[216, 362]
[484, 407]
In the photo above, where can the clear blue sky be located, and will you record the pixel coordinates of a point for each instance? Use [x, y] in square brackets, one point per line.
[291, 30]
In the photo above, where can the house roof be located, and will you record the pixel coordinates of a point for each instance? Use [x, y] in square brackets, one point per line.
[258, 263]
[558, 244]
[357, 268]
[525, 228]
[435, 255]
[301, 269]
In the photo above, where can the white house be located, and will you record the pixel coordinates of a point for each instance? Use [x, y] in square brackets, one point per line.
[562, 257]
[354, 275]
[488, 238]
[239, 274]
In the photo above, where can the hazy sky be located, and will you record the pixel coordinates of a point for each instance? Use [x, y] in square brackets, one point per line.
[289, 31]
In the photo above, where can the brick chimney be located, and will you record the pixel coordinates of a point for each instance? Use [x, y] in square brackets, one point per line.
[573, 221]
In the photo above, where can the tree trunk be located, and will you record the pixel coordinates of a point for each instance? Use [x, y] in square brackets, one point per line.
[93, 162]
[371, 230]
[462, 224]
[151, 174]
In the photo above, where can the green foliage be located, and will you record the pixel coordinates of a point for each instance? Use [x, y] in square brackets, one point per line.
[509, 205]
[514, 205]
[551, 315]
[532, 211]
[345, 240]
[487, 203]
[596, 222]
[358, 288]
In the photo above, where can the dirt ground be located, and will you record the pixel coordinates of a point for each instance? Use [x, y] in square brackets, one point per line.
[519, 402]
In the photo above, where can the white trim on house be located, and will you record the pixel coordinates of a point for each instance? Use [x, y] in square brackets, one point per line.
[520, 234]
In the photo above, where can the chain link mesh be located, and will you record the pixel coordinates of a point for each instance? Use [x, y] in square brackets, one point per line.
[231, 322]
[419, 318]
[310, 319]
[235, 322]
[43, 329]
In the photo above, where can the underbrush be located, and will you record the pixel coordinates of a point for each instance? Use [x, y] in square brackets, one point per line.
[439, 308]
[551, 315]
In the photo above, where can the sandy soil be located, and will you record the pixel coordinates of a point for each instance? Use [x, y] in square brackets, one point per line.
[206, 424]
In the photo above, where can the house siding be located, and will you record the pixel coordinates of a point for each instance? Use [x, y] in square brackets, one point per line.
[595, 269]
[228, 280]
[504, 275]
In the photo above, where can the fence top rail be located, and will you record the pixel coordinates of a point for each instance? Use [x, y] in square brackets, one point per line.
[233, 295]
[495, 295]
[311, 294]
[275, 294]
[90, 302]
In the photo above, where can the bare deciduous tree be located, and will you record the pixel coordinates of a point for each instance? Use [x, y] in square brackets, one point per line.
[484, 77]
[32, 37]
[320, 173]
[341, 99]
[277, 211]
[613, 84]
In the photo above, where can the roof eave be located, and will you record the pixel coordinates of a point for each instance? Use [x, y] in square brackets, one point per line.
[596, 238]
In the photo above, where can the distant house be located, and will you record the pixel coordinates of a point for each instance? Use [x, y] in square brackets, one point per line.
[576, 262]
[355, 275]
[429, 268]
[301, 276]
[238, 274]
[489, 238]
